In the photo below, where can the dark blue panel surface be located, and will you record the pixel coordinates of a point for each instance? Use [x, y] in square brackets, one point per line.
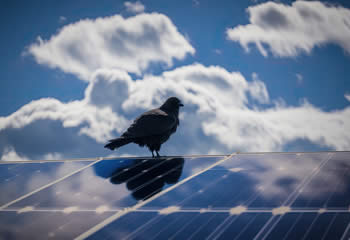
[277, 196]
[247, 196]
[156, 226]
[184, 225]
[47, 224]
[310, 226]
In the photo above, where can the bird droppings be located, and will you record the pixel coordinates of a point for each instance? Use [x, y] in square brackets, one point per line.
[51, 234]
[169, 210]
[238, 210]
[321, 210]
[69, 210]
[25, 209]
[281, 210]
[101, 209]
[236, 169]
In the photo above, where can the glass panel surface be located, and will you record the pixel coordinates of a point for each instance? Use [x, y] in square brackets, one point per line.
[310, 226]
[116, 183]
[267, 181]
[220, 225]
[156, 226]
[47, 224]
[18, 179]
[261, 196]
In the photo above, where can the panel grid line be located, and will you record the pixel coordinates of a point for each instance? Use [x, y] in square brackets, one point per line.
[289, 201]
[345, 232]
[137, 206]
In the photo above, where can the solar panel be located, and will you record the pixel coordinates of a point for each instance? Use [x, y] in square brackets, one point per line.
[240, 196]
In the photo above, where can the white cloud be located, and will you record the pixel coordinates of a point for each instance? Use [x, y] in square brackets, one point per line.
[130, 44]
[221, 108]
[93, 120]
[290, 30]
[134, 7]
[9, 154]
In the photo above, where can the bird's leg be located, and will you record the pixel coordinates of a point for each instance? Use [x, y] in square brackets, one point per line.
[152, 154]
[157, 153]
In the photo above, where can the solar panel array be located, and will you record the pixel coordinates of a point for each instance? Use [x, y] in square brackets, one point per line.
[237, 196]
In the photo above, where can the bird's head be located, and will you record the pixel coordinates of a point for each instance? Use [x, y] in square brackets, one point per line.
[171, 104]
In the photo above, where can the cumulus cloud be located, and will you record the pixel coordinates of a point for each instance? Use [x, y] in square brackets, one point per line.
[95, 121]
[9, 154]
[130, 44]
[223, 109]
[220, 104]
[134, 7]
[291, 30]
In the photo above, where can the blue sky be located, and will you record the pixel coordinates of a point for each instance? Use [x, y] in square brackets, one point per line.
[289, 95]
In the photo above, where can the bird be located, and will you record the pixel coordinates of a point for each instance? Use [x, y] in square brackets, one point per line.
[152, 128]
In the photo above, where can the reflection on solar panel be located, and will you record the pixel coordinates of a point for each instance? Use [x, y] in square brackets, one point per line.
[240, 196]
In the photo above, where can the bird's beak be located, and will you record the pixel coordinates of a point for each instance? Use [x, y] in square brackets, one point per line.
[181, 105]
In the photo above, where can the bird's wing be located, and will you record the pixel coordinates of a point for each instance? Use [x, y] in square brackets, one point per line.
[150, 123]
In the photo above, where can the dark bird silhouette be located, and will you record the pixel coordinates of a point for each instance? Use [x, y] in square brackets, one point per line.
[152, 128]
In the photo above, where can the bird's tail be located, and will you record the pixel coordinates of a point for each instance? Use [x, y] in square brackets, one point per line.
[118, 142]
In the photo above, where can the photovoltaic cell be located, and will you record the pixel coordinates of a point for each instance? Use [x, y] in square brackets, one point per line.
[47, 224]
[243, 196]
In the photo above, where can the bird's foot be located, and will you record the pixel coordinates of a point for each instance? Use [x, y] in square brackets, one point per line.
[158, 156]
